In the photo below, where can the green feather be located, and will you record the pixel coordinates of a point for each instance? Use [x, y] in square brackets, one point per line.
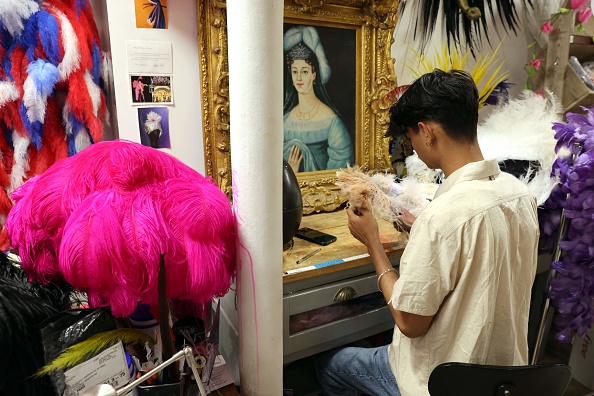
[85, 350]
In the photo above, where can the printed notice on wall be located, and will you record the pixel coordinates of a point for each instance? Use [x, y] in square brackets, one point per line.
[149, 57]
[108, 367]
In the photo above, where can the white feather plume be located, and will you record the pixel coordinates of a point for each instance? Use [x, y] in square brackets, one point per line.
[8, 92]
[72, 56]
[106, 68]
[522, 130]
[382, 194]
[419, 170]
[34, 101]
[66, 119]
[13, 14]
[21, 161]
[82, 140]
[94, 92]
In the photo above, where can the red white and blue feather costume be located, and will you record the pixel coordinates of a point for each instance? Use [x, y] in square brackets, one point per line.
[51, 78]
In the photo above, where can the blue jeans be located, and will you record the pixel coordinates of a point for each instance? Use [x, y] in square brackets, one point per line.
[348, 370]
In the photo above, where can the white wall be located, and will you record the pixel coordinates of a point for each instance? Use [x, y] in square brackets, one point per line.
[185, 117]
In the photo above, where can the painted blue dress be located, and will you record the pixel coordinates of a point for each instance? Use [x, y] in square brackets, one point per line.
[324, 144]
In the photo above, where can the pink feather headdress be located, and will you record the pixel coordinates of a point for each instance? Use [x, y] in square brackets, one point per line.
[102, 219]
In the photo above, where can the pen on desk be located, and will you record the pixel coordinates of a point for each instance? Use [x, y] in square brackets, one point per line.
[302, 259]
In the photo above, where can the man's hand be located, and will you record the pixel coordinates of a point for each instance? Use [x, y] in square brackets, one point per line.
[295, 158]
[363, 226]
[404, 221]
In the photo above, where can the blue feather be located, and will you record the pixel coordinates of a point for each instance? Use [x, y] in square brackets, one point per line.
[45, 76]
[34, 129]
[7, 62]
[71, 137]
[71, 146]
[96, 71]
[79, 6]
[29, 37]
[6, 39]
[8, 136]
[49, 31]
[37, 133]
[30, 54]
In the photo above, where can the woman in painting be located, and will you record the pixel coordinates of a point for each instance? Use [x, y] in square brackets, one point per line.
[315, 137]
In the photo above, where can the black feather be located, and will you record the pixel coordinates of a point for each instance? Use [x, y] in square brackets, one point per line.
[458, 25]
[23, 306]
[20, 341]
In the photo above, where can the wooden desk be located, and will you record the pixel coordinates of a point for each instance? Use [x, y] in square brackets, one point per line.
[335, 223]
[315, 317]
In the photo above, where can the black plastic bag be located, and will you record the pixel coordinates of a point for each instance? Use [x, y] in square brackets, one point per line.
[69, 328]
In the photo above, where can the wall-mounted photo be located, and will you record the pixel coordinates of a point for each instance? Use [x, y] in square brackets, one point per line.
[151, 13]
[320, 97]
[151, 89]
[153, 125]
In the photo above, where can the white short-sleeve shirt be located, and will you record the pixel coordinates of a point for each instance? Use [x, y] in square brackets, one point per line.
[471, 262]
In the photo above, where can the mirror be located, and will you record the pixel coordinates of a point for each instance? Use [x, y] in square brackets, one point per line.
[337, 115]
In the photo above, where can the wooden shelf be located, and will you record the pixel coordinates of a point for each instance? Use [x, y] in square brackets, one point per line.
[556, 75]
[576, 93]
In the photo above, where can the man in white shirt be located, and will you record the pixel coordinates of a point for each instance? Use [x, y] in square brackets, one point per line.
[463, 292]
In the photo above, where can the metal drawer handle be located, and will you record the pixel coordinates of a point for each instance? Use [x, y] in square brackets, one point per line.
[345, 294]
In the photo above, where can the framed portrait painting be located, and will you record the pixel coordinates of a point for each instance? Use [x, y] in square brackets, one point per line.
[338, 71]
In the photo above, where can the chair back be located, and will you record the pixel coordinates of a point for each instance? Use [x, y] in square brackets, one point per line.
[463, 379]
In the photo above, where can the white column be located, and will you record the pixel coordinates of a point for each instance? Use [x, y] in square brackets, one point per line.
[256, 106]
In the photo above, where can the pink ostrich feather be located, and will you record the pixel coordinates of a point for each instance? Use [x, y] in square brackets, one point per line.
[202, 228]
[102, 219]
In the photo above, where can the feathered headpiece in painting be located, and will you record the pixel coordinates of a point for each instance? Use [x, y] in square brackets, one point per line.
[102, 218]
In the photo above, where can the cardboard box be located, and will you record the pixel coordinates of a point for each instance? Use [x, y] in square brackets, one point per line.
[582, 359]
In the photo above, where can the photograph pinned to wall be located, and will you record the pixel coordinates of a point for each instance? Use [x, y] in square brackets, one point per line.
[151, 14]
[153, 123]
[151, 89]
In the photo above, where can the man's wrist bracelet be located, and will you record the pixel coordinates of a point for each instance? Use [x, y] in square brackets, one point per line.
[379, 278]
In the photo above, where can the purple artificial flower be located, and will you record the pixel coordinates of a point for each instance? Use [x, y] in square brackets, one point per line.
[572, 290]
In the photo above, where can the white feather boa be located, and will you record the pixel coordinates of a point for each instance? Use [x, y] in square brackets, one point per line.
[72, 55]
[8, 92]
[520, 130]
[21, 161]
[523, 130]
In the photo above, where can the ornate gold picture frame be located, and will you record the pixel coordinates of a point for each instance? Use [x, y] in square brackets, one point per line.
[357, 36]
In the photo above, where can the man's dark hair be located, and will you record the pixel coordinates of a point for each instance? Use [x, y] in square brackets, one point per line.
[447, 98]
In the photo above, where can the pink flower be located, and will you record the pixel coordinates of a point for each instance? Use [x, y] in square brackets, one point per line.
[546, 27]
[584, 15]
[578, 4]
[536, 64]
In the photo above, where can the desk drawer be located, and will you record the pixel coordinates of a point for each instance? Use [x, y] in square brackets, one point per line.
[315, 319]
